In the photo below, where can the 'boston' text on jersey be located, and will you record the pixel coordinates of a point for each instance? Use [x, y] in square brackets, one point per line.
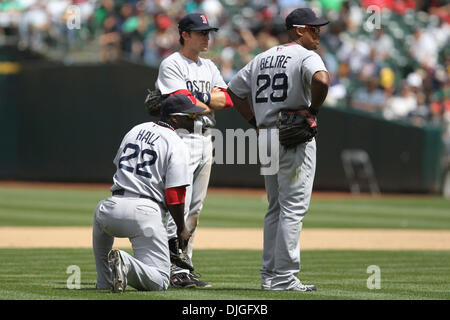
[147, 136]
[274, 62]
[200, 86]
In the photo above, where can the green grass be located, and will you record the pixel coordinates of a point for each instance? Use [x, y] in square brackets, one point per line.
[41, 274]
[34, 274]
[48, 207]
[73, 207]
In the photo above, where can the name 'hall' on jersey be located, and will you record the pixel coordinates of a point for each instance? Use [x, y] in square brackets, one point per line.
[147, 136]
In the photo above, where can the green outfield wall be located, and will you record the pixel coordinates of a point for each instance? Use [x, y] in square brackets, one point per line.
[65, 123]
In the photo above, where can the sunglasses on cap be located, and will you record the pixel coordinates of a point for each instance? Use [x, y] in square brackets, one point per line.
[313, 29]
[190, 115]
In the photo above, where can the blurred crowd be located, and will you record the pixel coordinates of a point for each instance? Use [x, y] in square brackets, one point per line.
[386, 57]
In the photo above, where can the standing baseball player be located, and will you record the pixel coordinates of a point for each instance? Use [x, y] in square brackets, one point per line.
[286, 82]
[185, 72]
[151, 178]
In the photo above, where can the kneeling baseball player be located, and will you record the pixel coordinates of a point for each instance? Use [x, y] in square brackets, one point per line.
[151, 179]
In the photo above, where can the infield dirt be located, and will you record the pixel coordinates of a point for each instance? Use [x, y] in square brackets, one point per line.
[230, 238]
[217, 238]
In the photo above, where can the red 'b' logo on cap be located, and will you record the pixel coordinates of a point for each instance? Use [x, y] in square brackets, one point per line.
[204, 19]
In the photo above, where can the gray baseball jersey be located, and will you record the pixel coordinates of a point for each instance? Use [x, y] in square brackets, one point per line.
[279, 78]
[150, 159]
[177, 72]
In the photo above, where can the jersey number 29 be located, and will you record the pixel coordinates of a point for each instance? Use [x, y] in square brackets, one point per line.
[124, 161]
[279, 87]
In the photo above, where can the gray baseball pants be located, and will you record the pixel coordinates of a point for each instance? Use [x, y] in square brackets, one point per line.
[289, 193]
[141, 221]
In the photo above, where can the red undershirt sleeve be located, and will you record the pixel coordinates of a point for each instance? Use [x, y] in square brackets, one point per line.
[175, 195]
[228, 101]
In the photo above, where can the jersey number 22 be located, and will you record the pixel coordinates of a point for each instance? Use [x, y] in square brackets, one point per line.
[124, 161]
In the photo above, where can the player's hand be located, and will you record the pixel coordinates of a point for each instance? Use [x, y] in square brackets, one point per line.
[183, 239]
[207, 109]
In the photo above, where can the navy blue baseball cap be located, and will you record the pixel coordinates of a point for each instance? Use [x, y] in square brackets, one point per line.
[195, 22]
[179, 104]
[304, 17]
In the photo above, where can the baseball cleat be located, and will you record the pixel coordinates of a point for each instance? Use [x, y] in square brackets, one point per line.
[118, 272]
[299, 287]
[304, 287]
[199, 283]
[181, 280]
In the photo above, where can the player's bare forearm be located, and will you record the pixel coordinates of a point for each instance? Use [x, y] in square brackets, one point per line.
[319, 89]
[241, 105]
[177, 212]
[218, 100]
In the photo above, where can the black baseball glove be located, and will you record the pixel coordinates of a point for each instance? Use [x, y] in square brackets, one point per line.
[181, 260]
[295, 128]
[153, 102]
[179, 257]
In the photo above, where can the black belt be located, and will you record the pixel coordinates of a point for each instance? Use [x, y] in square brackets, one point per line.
[121, 192]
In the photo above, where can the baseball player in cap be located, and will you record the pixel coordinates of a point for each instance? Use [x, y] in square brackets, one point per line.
[286, 78]
[185, 72]
[151, 178]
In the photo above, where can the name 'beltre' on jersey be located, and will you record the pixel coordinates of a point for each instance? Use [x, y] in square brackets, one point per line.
[269, 62]
[147, 136]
